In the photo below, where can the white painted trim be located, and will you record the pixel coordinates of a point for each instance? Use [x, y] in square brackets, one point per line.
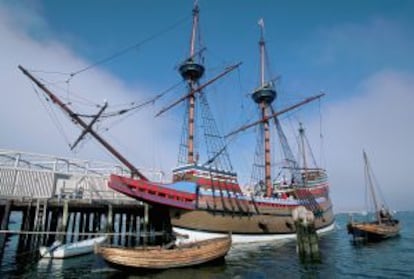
[242, 238]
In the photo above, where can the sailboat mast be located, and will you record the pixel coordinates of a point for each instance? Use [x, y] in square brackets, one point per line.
[262, 53]
[371, 186]
[192, 72]
[196, 12]
[77, 119]
[302, 141]
[264, 96]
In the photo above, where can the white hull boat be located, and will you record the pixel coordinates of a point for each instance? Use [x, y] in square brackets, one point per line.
[60, 251]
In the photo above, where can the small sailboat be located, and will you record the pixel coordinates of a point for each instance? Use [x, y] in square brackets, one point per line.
[384, 226]
[61, 251]
[182, 255]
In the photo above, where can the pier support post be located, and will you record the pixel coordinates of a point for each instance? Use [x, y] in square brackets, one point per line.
[120, 227]
[145, 225]
[87, 224]
[109, 222]
[96, 222]
[53, 227]
[307, 244]
[6, 215]
[128, 229]
[63, 223]
[81, 225]
[4, 225]
[135, 230]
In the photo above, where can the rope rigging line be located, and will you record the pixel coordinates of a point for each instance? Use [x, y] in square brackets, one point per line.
[310, 151]
[52, 116]
[322, 159]
[216, 147]
[126, 112]
[114, 55]
[127, 49]
[134, 106]
[80, 99]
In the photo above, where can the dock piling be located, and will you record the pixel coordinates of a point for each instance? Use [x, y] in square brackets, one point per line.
[307, 241]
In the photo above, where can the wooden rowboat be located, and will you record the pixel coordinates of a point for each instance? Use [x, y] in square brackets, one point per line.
[184, 255]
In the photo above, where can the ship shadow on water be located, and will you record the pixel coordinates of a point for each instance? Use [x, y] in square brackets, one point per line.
[206, 270]
[119, 271]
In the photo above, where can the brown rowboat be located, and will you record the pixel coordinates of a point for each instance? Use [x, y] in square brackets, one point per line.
[184, 255]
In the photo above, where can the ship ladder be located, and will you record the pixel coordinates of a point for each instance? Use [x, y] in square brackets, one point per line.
[243, 211]
[26, 222]
[255, 205]
[224, 207]
[233, 210]
[40, 216]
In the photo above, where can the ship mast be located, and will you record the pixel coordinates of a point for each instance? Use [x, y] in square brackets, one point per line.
[87, 128]
[371, 186]
[302, 140]
[264, 96]
[192, 71]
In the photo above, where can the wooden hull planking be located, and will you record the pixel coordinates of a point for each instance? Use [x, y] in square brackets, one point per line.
[159, 258]
[236, 224]
[374, 232]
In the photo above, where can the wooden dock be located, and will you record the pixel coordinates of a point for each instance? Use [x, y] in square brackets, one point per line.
[58, 198]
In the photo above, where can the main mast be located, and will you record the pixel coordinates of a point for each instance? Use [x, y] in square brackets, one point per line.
[303, 150]
[264, 96]
[192, 71]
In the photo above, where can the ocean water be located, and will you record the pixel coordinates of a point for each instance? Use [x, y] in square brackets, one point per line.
[340, 258]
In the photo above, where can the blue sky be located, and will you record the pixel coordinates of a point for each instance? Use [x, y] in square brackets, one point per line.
[358, 52]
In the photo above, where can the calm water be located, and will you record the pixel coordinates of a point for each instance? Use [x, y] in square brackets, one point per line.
[340, 259]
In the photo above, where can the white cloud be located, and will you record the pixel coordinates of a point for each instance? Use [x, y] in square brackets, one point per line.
[375, 42]
[24, 122]
[378, 119]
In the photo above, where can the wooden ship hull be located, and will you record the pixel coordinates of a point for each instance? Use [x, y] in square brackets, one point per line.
[203, 210]
[374, 231]
[160, 258]
[203, 224]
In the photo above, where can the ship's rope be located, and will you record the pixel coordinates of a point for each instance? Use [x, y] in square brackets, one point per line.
[135, 106]
[309, 149]
[322, 160]
[52, 116]
[117, 53]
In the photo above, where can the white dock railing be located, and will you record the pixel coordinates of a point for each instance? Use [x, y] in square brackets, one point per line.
[29, 175]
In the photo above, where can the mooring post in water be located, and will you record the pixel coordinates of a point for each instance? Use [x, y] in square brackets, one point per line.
[307, 244]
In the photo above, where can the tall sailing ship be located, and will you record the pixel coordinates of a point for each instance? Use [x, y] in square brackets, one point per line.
[205, 198]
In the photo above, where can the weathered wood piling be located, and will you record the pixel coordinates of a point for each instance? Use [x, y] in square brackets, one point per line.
[307, 241]
[129, 223]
